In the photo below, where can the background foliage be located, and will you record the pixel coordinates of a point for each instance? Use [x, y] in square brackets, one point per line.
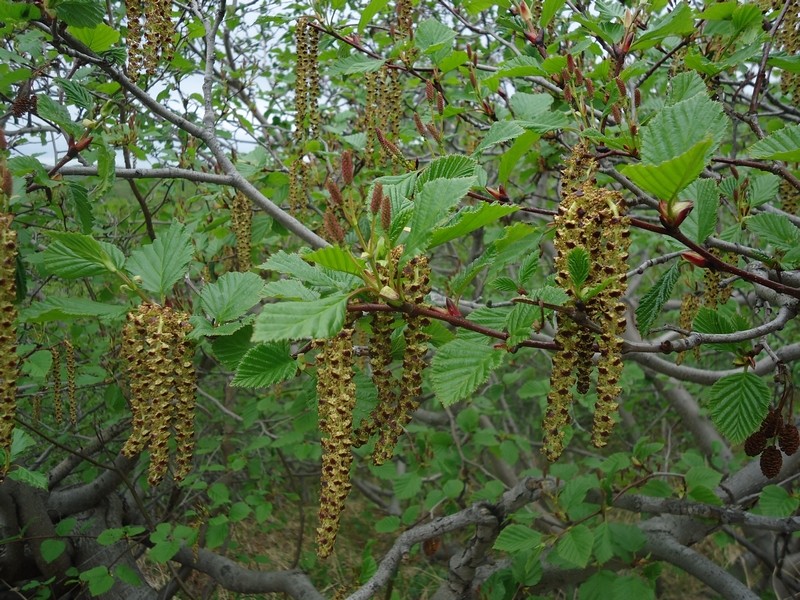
[428, 252]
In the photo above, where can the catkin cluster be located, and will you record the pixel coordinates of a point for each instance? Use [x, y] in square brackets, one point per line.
[790, 197]
[150, 32]
[690, 305]
[590, 218]
[397, 400]
[242, 225]
[336, 393]
[787, 37]
[382, 113]
[9, 363]
[162, 388]
[306, 85]
[774, 428]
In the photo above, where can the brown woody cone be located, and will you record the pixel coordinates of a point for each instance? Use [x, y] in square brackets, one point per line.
[771, 424]
[755, 444]
[771, 462]
[789, 439]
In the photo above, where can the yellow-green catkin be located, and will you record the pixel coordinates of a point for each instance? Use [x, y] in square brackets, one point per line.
[55, 374]
[690, 304]
[162, 384]
[592, 219]
[416, 285]
[72, 388]
[336, 395]
[9, 363]
[790, 197]
[242, 225]
[150, 35]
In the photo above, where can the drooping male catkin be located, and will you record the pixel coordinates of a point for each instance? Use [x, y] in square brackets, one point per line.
[162, 385]
[9, 363]
[242, 225]
[150, 35]
[336, 394]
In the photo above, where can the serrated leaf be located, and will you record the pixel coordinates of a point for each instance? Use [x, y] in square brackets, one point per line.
[106, 168]
[519, 322]
[387, 524]
[49, 109]
[79, 197]
[739, 404]
[684, 86]
[458, 284]
[774, 229]
[499, 132]
[549, 10]
[67, 309]
[512, 156]
[546, 122]
[164, 262]
[460, 366]
[338, 259]
[578, 265]
[784, 144]
[517, 538]
[231, 296]
[31, 478]
[76, 93]
[355, 63]
[651, 303]
[705, 194]
[264, 365]
[407, 485]
[775, 501]
[682, 126]
[230, 349]
[708, 320]
[674, 22]
[575, 545]
[454, 166]
[11, 12]
[372, 9]
[290, 289]
[432, 206]
[666, 179]
[469, 219]
[702, 476]
[80, 13]
[503, 284]
[73, 255]
[431, 35]
[99, 38]
[299, 320]
[296, 267]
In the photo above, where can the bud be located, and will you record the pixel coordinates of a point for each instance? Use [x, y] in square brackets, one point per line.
[389, 294]
[525, 12]
[430, 91]
[335, 192]
[387, 145]
[623, 93]
[637, 97]
[420, 126]
[440, 103]
[332, 227]
[386, 213]
[672, 214]
[695, 259]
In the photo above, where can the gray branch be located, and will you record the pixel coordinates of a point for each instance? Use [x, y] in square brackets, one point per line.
[141, 173]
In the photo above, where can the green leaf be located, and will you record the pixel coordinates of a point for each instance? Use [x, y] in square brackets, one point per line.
[454, 166]
[470, 218]
[80, 13]
[49, 109]
[666, 179]
[231, 296]
[684, 86]
[702, 476]
[431, 208]
[739, 404]
[706, 202]
[38, 364]
[431, 35]
[298, 320]
[68, 309]
[51, 549]
[387, 524]
[676, 22]
[774, 229]
[578, 265]
[338, 259]
[503, 284]
[32, 478]
[372, 9]
[79, 197]
[407, 485]
[575, 545]
[106, 168]
[296, 267]
[230, 349]
[512, 156]
[549, 10]
[517, 538]
[655, 298]
[355, 63]
[678, 128]
[548, 121]
[775, 501]
[264, 365]
[73, 255]
[784, 144]
[164, 262]
[98, 39]
[127, 575]
[708, 320]
[460, 366]
[290, 289]
[76, 93]
[499, 132]
[11, 12]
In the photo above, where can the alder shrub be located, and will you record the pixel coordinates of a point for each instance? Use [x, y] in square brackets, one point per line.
[452, 299]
